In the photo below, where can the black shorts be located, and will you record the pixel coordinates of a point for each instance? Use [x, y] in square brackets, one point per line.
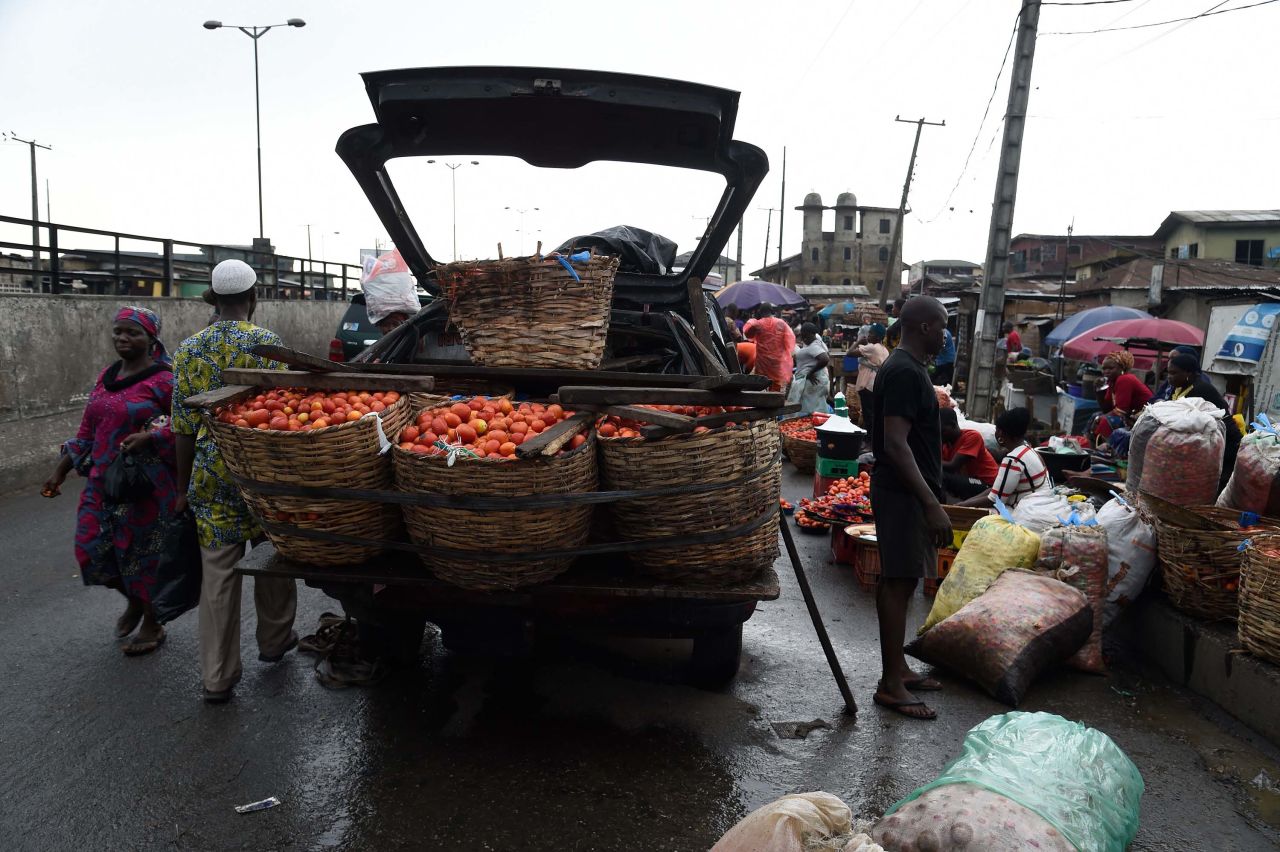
[902, 535]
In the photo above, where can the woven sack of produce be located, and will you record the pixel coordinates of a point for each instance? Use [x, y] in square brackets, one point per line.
[1046, 508]
[1259, 625]
[483, 535]
[1175, 451]
[1023, 781]
[800, 442]
[801, 822]
[348, 455]
[1131, 556]
[1201, 567]
[1076, 553]
[993, 545]
[537, 311]
[1004, 638]
[1255, 480]
[745, 454]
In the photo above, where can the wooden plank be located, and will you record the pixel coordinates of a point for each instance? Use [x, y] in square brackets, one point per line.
[732, 381]
[712, 421]
[574, 395]
[711, 362]
[631, 362]
[219, 396]
[294, 358]
[672, 421]
[328, 381]
[533, 374]
[549, 441]
[698, 307]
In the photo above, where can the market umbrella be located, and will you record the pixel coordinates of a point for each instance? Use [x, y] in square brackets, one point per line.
[1160, 334]
[837, 308]
[746, 295]
[1077, 324]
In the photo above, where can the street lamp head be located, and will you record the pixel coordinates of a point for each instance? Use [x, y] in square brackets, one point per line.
[475, 162]
[430, 161]
[212, 25]
[296, 22]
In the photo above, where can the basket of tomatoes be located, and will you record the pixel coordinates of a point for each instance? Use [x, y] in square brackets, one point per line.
[800, 442]
[307, 438]
[1260, 597]
[1201, 567]
[466, 449]
[743, 456]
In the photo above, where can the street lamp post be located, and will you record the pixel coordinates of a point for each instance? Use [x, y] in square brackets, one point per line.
[256, 33]
[520, 229]
[35, 209]
[453, 174]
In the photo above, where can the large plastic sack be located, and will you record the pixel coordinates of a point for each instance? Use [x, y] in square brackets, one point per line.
[1131, 556]
[1042, 509]
[1004, 638]
[1175, 451]
[1255, 481]
[1073, 777]
[993, 545]
[388, 287]
[967, 817]
[795, 823]
[1076, 553]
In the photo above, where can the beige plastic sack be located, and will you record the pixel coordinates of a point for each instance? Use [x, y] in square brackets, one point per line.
[991, 547]
[798, 823]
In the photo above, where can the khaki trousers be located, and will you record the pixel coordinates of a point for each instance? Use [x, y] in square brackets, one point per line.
[276, 601]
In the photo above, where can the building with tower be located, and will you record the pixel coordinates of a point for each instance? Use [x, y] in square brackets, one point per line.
[846, 261]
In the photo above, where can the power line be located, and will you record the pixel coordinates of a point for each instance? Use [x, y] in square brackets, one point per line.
[1088, 3]
[825, 42]
[1214, 10]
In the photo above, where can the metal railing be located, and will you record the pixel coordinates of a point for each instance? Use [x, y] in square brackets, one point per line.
[71, 259]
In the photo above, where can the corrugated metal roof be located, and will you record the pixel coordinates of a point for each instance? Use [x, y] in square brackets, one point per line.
[1182, 275]
[1201, 217]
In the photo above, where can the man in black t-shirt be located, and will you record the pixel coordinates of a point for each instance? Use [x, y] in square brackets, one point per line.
[906, 494]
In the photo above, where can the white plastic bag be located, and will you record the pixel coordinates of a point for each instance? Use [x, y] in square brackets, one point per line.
[1131, 556]
[1042, 509]
[791, 824]
[388, 287]
[1175, 451]
[1255, 482]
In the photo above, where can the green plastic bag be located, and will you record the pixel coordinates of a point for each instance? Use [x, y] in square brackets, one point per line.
[1071, 776]
[992, 546]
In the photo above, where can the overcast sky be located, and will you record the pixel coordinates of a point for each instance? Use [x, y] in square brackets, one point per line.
[151, 117]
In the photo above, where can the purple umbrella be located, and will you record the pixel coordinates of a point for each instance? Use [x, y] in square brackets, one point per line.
[746, 295]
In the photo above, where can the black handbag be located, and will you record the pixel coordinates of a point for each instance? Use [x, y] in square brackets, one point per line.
[179, 574]
[125, 481]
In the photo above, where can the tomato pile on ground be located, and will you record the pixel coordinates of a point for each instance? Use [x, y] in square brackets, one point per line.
[300, 410]
[846, 501]
[488, 428]
[620, 427]
[800, 428]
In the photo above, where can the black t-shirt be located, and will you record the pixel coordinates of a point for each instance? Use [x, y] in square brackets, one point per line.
[903, 389]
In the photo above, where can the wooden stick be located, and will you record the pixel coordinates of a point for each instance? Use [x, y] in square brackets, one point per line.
[574, 395]
[549, 441]
[701, 327]
[672, 422]
[732, 381]
[712, 421]
[710, 361]
[327, 381]
[294, 358]
[219, 396]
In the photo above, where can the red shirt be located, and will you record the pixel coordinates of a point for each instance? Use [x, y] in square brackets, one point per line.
[1013, 342]
[980, 466]
[1126, 393]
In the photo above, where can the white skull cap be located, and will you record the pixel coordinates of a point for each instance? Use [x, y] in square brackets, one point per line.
[233, 276]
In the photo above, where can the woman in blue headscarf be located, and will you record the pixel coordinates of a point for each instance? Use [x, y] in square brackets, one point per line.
[117, 543]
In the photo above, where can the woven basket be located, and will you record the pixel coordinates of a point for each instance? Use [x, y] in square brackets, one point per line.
[720, 455]
[342, 456]
[496, 530]
[530, 312]
[803, 454]
[1260, 598]
[419, 402]
[1201, 568]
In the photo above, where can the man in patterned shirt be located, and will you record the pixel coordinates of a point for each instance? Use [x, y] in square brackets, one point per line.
[222, 518]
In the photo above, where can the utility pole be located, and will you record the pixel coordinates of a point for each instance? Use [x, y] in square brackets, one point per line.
[1062, 285]
[891, 272]
[782, 205]
[768, 227]
[739, 265]
[981, 388]
[35, 205]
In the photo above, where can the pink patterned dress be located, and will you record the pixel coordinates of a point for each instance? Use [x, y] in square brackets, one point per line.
[119, 544]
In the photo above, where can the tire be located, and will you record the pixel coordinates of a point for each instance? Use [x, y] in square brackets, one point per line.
[716, 656]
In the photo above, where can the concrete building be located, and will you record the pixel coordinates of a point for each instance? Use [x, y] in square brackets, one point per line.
[1250, 237]
[1047, 255]
[849, 260]
[942, 269]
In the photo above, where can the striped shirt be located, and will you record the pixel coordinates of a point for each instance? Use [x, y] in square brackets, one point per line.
[1021, 472]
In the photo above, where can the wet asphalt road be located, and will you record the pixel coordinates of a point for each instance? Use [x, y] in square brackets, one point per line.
[579, 749]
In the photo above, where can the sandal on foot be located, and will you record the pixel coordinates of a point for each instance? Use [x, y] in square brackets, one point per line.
[128, 622]
[327, 637]
[137, 649]
[289, 645]
[899, 707]
[924, 684]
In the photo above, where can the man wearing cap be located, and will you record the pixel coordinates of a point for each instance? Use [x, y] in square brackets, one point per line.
[222, 518]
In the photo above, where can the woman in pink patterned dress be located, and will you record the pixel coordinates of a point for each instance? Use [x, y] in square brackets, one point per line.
[120, 545]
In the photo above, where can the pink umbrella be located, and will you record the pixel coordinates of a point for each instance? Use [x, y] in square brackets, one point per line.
[1143, 336]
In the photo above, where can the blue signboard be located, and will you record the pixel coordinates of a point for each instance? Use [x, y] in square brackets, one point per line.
[1248, 337]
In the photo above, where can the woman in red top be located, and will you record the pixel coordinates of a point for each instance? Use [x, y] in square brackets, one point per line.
[1123, 397]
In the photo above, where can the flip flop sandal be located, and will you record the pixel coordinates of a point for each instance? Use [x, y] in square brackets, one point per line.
[138, 649]
[328, 637]
[344, 673]
[924, 684]
[125, 627]
[899, 706]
